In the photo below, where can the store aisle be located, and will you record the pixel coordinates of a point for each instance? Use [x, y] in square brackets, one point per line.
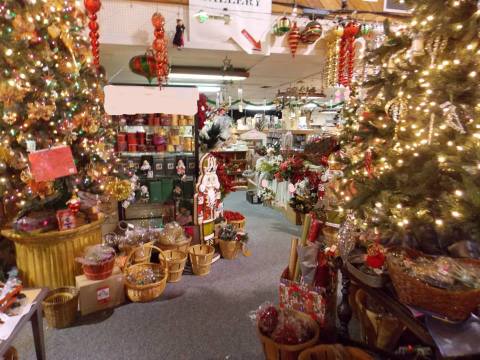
[199, 318]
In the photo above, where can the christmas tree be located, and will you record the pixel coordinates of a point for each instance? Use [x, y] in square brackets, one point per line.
[51, 94]
[412, 131]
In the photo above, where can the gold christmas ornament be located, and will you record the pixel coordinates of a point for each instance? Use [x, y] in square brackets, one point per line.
[54, 31]
[10, 94]
[6, 154]
[9, 117]
[23, 29]
[26, 176]
[40, 111]
[396, 109]
[119, 189]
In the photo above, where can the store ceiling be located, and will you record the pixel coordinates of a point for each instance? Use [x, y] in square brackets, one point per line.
[268, 74]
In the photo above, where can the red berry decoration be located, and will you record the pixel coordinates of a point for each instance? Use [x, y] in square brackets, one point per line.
[159, 45]
[268, 320]
[92, 7]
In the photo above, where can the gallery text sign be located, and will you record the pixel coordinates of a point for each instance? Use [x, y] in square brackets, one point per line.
[264, 6]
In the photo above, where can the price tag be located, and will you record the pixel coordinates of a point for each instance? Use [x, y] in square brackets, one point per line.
[103, 295]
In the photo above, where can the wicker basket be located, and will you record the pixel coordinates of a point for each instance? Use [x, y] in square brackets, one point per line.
[201, 257]
[149, 292]
[455, 305]
[176, 261]
[142, 252]
[239, 225]
[328, 352]
[275, 351]
[99, 271]
[183, 246]
[229, 249]
[60, 307]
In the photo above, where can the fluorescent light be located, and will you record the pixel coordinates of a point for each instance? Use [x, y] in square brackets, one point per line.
[310, 106]
[260, 107]
[193, 84]
[211, 89]
[181, 76]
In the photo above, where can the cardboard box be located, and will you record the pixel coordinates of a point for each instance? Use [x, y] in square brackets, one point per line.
[101, 294]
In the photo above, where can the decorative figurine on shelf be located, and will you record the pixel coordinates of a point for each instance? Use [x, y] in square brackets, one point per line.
[178, 38]
[74, 204]
[144, 194]
[181, 169]
[147, 169]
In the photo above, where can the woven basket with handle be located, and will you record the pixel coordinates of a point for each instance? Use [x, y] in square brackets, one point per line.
[60, 307]
[148, 292]
[201, 257]
[455, 305]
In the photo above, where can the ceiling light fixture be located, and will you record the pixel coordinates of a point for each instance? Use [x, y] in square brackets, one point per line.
[206, 73]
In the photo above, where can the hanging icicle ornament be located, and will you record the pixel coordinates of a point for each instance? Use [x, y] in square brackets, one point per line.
[293, 39]
[92, 7]
[451, 117]
[436, 46]
[346, 236]
[160, 47]
[368, 163]
[430, 128]
[311, 33]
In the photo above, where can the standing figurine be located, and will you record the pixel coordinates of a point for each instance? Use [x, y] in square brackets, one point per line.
[178, 38]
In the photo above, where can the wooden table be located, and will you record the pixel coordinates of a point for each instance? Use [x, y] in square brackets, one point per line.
[35, 296]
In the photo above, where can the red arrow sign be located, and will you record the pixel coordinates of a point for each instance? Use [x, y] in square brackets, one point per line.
[257, 45]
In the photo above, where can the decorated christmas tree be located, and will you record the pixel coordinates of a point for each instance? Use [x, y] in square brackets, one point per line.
[412, 131]
[51, 95]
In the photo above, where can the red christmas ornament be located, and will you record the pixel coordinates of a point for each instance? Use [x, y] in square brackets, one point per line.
[375, 256]
[293, 39]
[368, 163]
[268, 320]
[202, 108]
[92, 7]
[346, 60]
[160, 47]
[74, 204]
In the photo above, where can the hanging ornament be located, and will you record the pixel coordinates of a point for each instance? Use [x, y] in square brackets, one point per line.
[160, 47]
[276, 31]
[365, 29]
[10, 117]
[418, 45]
[451, 117]
[144, 65]
[351, 31]
[283, 25]
[293, 39]
[40, 111]
[93, 6]
[178, 38]
[368, 163]
[396, 109]
[312, 32]
[339, 30]
[346, 237]
[74, 204]
[436, 46]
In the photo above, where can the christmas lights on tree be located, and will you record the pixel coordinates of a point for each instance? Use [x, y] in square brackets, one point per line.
[412, 131]
[50, 95]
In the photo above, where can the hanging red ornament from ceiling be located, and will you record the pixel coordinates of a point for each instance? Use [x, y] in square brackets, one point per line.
[312, 32]
[346, 60]
[144, 65]
[293, 38]
[159, 45]
[92, 7]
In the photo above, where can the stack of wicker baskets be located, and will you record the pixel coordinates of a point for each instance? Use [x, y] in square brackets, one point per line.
[60, 307]
[147, 292]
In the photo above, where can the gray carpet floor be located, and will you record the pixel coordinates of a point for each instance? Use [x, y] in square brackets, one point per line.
[199, 317]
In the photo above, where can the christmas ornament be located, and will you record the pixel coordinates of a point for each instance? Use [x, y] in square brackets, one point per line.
[23, 29]
[346, 238]
[375, 256]
[436, 46]
[283, 25]
[368, 163]
[365, 29]
[54, 31]
[11, 95]
[293, 39]
[178, 38]
[119, 189]
[160, 47]
[74, 204]
[418, 45]
[276, 30]
[40, 111]
[312, 32]
[93, 6]
[10, 117]
[339, 30]
[451, 117]
[347, 54]
[144, 65]
[396, 109]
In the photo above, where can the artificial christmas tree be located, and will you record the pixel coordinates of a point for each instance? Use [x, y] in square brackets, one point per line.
[51, 95]
[412, 131]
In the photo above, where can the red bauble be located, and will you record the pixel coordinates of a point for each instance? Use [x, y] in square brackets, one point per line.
[376, 261]
[158, 21]
[159, 45]
[95, 52]
[93, 26]
[159, 33]
[92, 6]
[268, 320]
[94, 35]
[92, 17]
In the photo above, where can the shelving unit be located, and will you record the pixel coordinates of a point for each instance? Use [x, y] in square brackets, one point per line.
[235, 162]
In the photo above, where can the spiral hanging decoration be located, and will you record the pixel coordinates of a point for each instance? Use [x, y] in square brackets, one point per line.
[160, 47]
[293, 38]
[92, 7]
[352, 30]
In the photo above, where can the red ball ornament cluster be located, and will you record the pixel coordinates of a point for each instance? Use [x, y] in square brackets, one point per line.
[93, 6]
[160, 47]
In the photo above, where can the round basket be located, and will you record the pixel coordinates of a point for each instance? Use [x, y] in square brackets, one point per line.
[275, 351]
[176, 261]
[239, 225]
[326, 352]
[201, 257]
[99, 271]
[455, 305]
[142, 252]
[148, 292]
[229, 249]
[60, 307]
[182, 246]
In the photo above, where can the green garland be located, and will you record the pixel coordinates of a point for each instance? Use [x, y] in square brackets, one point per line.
[213, 102]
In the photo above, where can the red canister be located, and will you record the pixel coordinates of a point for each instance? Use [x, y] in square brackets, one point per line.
[132, 147]
[141, 138]
[132, 138]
